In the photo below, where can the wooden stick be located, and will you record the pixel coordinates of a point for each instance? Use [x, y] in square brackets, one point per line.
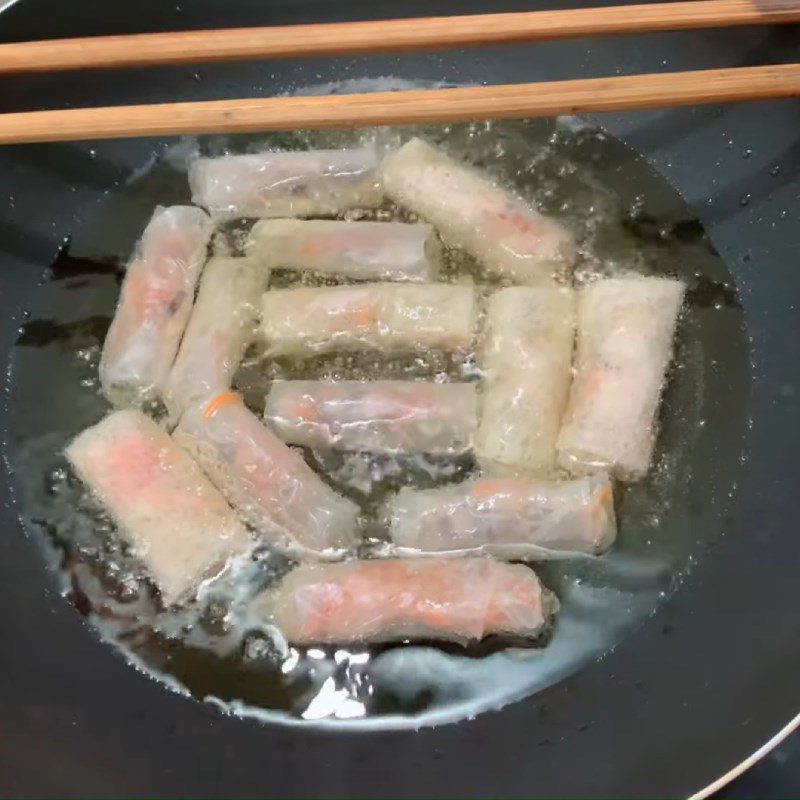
[153, 49]
[622, 93]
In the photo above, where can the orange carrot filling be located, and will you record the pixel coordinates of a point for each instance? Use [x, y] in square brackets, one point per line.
[218, 402]
[483, 490]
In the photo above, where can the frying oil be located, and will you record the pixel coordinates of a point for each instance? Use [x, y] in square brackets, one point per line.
[218, 649]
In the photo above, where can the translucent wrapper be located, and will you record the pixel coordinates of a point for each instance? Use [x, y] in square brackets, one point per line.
[459, 600]
[286, 184]
[178, 524]
[625, 332]
[306, 321]
[506, 235]
[154, 305]
[223, 321]
[391, 251]
[270, 485]
[527, 359]
[514, 518]
[377, 416]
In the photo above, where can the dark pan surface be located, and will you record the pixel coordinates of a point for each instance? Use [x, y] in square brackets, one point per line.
[679, 702]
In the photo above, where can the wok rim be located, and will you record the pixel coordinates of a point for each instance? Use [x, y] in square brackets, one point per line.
[751, 760]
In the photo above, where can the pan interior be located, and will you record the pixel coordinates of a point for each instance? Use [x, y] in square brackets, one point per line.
[626, 216]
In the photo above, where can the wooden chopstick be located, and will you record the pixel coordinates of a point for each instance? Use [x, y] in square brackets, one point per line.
[152, 49]
[622, 93]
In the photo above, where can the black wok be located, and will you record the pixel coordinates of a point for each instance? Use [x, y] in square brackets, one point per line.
[678, 704]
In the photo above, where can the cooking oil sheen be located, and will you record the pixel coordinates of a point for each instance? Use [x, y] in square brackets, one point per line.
[218, 649]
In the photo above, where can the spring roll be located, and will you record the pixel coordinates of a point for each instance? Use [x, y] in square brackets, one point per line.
[459, 600]
[506, 235]
[527, 362]
[306, 321]
[377, 416]
[223, 321]
[514, 518]
[625, 332]
[154, 305]
[371, 251]
[286, 184]
[269, 484]
[178, 524]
